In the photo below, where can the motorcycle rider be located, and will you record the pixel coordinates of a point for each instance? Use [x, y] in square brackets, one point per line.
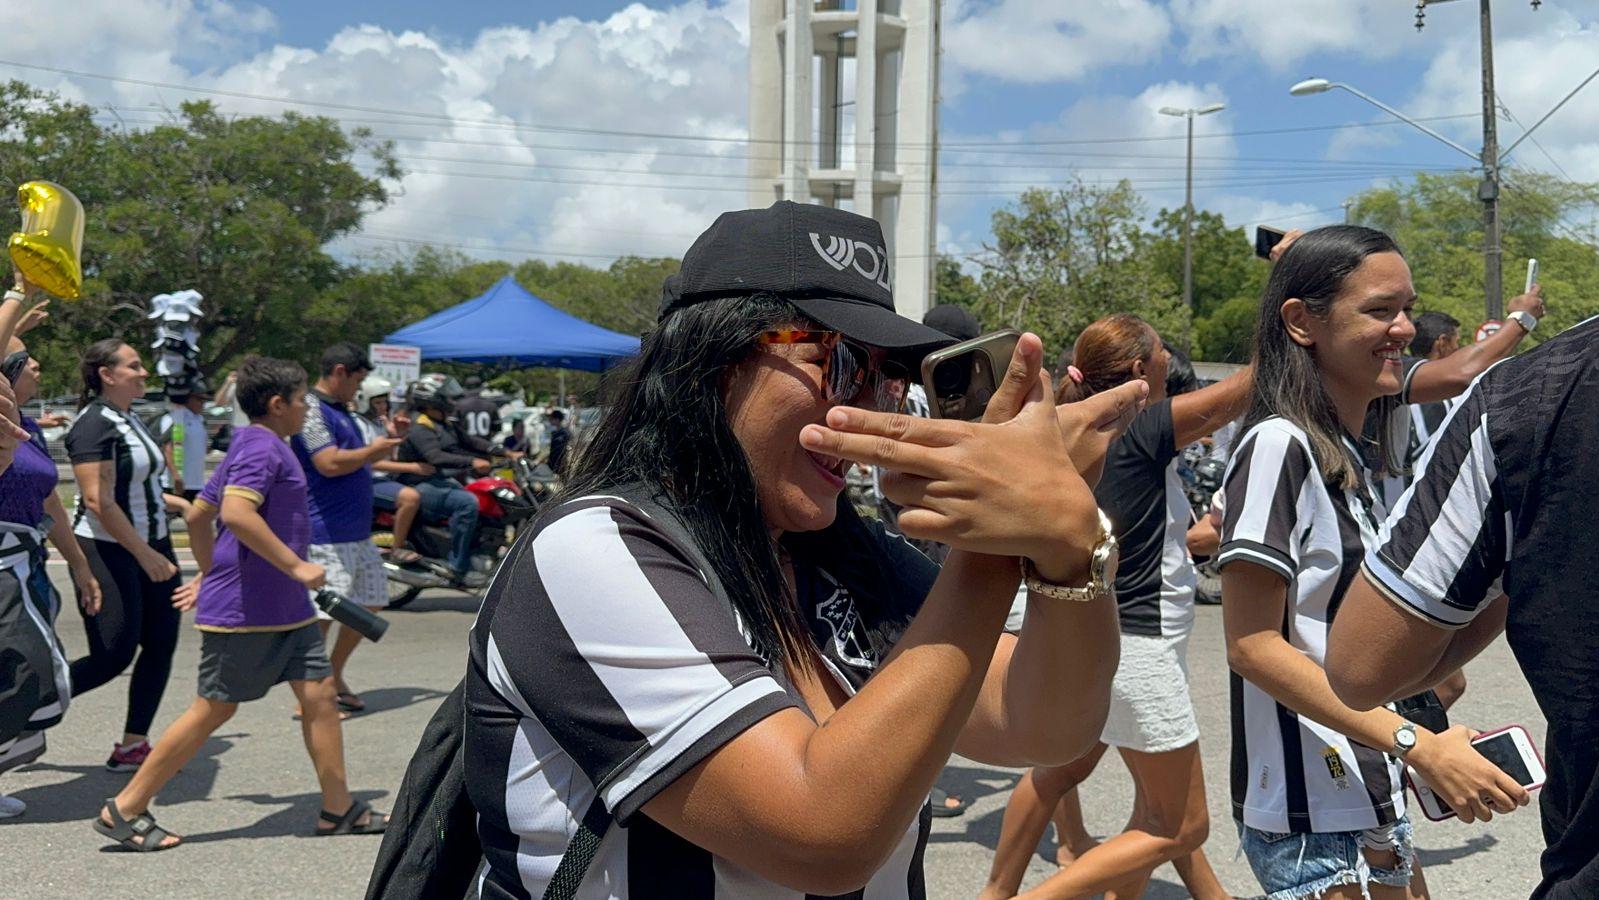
[433, 439]
[372, 408]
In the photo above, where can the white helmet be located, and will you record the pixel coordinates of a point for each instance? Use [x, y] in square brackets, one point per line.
[371, 387]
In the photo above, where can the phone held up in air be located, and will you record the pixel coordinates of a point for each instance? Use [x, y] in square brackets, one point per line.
[1532, 275]
[961, 379]
[1267, 237]
[1509, 748]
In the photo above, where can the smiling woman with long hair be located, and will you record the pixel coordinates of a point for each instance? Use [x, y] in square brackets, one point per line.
[703, 642]
[1317, 786]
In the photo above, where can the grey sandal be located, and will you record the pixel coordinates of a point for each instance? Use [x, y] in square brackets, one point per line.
[346, 824]
[141, 834]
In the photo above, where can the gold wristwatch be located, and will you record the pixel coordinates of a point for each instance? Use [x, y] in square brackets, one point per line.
[1101, 570]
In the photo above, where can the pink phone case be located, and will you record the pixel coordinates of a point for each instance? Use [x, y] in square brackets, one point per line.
[1484, 735]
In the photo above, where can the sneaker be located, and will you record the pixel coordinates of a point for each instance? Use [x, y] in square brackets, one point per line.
[470, 580]
[11, 807]
[127, 758]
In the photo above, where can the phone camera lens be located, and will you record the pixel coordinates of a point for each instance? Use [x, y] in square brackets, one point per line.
[952, 377]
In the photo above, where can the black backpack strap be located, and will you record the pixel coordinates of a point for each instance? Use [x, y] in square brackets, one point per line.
[579, 852]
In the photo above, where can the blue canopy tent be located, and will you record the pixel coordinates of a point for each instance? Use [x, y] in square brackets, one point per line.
[509, 326]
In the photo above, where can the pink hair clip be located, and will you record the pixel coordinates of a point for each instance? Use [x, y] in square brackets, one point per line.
[1075, 374]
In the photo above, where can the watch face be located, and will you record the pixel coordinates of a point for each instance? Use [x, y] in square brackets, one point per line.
[1405, 738]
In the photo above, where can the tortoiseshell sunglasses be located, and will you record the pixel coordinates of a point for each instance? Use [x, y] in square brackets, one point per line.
[849, 374]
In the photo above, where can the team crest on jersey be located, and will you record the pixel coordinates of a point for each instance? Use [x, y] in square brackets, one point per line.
[838, 611]
[1335, 768]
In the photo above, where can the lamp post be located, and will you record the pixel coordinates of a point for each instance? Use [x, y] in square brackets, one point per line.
[1188, 197]
[1487, 191]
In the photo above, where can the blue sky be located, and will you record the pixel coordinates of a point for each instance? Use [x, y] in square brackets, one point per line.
[517, 151]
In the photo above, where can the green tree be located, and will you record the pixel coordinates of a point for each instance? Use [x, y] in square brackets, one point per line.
[1062, 258]
[1437, 221]
[1225, 266]
[951, 284]
[239, 209]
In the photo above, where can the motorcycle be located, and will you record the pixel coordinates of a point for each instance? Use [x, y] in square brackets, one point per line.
[1201, 480]
[507, 500]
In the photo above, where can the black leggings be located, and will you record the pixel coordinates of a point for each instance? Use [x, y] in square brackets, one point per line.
[135, 614]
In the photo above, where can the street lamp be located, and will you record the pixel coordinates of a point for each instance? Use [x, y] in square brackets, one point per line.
[1487, 191]
[1188, 197]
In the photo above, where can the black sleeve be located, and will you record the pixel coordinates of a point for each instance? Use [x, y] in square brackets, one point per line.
[429, 445]
[1152, 435]
[92, 438]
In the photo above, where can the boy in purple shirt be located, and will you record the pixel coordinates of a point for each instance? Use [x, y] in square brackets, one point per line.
[251, 605]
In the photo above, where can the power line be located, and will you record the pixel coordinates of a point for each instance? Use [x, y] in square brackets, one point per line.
[943, 164]
[655, 135]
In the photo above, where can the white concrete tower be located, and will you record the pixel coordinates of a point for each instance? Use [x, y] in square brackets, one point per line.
[844, 112]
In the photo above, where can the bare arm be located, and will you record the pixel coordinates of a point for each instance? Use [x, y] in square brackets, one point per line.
[395, 467]
[170, 456]
[97, 482]
[243, 517]
[819, 808]
[66, 543]
[1253, 600]
[1378, 652]
[1198, 413]
[1443, 379]
[334, 461]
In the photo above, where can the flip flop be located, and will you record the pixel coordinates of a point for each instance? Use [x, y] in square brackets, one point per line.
[402, 556]
[351, 702]
[377, 823]
[941, 807]
[142, 834]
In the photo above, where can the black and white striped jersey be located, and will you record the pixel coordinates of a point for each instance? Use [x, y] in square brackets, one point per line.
[603, 665]
[1142, 495]
[1289, 773]
[104, 433]
[1503, 504]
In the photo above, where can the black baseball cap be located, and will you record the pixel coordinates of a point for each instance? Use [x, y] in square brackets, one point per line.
[830, 264]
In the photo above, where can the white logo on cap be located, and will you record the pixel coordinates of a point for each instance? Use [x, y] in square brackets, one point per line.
[844, 253]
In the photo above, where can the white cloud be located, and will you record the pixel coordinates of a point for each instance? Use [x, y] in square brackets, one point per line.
[1283, 34]
[1533, 70]
[480, 173]
[1040, 41]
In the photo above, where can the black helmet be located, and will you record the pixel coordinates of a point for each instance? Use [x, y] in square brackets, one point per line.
[434, 391]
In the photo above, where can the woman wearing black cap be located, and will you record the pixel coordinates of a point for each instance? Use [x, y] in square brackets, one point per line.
[704, 643]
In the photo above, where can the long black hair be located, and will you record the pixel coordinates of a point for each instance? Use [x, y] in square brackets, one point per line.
[1288, 382]
[668, 429]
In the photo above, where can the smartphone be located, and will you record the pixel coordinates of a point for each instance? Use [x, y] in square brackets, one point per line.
[1510, 748]
[1532, 275]
[961, 379]
[1266, 238]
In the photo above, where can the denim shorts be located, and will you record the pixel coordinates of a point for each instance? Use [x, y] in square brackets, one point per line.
[1295, 866]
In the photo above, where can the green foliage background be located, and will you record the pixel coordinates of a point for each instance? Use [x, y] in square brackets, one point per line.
[244, 208]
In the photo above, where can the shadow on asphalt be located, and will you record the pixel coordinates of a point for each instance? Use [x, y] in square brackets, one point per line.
[386, 699]
[1446, 855]
[298, 820]
[81, 797]
[440, 601]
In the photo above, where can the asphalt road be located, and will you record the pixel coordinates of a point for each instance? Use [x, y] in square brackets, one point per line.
[248, 801]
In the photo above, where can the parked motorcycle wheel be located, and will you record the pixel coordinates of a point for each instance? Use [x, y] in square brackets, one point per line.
[401, 595]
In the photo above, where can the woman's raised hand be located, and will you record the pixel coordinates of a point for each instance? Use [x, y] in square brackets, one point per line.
[1005, 486]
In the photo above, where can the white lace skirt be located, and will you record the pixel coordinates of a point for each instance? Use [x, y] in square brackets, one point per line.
[1150, 710]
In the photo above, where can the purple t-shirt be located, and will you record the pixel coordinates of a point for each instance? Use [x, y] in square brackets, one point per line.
[244, 592]
[341, 507]
[28, 482]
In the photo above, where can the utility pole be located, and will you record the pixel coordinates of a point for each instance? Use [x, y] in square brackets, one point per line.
[1488, 188]
[1488, 191]
[1188, 199]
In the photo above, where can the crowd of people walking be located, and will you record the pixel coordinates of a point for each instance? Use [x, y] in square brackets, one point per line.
[702, 666]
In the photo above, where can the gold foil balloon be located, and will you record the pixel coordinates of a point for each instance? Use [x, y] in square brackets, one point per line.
[49, 248]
